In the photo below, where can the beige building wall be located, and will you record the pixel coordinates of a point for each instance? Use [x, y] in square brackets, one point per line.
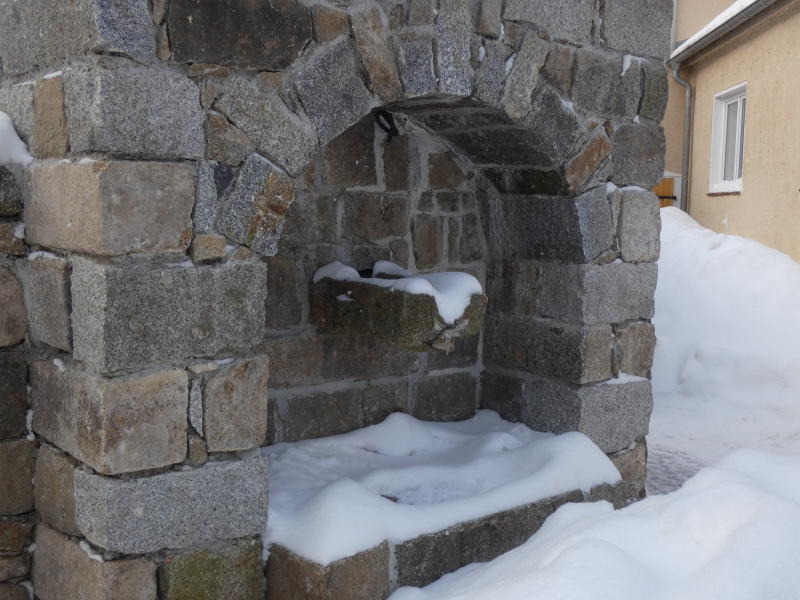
[767, 56]
[693, 15]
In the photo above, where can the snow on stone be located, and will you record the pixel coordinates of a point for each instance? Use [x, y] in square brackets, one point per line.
[337, 496]
[13, 150]
[726, 373]
[721, 19]
[626, 63]
[19, 231]
[451, 291]
[59, 364]
[730, 533]
[90, 552]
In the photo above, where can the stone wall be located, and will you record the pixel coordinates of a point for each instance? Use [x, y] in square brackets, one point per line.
[196, 162]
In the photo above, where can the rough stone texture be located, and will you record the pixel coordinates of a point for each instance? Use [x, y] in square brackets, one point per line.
[600, 86]
[255, 212]
[235, 406]
[524, 77]
[234, 572]
[549, 349]
[637, 344]
[17, 461]
[208, 200]
[283, 306]
[178, 509]
[13, 394]
[12, 319]
[579, 170]
[115, 425]
[329, 23]
[146, 112]
[14, 567]
[396, 167]
[369, 34]
[525, 182]
[110, 208]
[638, 155]
[656, 90]
[47, 296]
[415, 63]
[453, 22]
[591, 294]
[349, 159]
[557, 69]
[490, 20]
[639, 226]
[332, 92]
[69, 29]
[428, 237]
[640, 27]
[128, 316]
[10, 591]
[62, 570]
[551, 130]
[365, 575]
[53, 490]
[226, 143]
[239, 33]
[374, 217]
[570, 20]
[14, 535]
[9, 242]
[208, 248]
[51, 138]
[451, 397]
[10, 193]
[444, 172]
[491, 73]
[511, 287]
[276, 132]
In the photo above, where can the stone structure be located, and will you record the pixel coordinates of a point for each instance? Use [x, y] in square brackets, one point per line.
[196, 162]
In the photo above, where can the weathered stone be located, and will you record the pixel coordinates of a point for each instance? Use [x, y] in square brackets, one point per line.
[579, 170]
[428, 238]
[639, 226]
[255, 212]
[656, 91]
[10, 591]
[527, 182]
[154, 113]
[491, 73]
[374, 217]
[637, 344]
[511, 287]
[490, 21]
[196, 402]
[331, 90]
[14, 566]
[17, 461]
[234, 572]
[9, 242]
[276, 132]
[229, 500]
[13, 394]
[283, 305]
[365, 575]
[14, 536]
[50, 139]
[62, 570]
[453, 26]
[415, 64]
[235, 406]
[47, 296]
[10, 193]
[125, 316]
[329, 23]
[163, 51]
[213, 182]
[569, 20]
[208, 93]
[552, 128]
[70, 29]
[17, 102]
[12, 319]
[110, 208]
[369, 34]
[557, 69]
[396, 167]
[639, 27]
[53, 490]
[294, 417]
[638, 155]
[311, 220]
[524, 77]
[451, 397]
[208, 248]
[470, 246]
[464, 354]
[115, 425]
[592, 294]
[573, 229]
[605, 85]
[349, 159]
[226, 143]
[444, 172]
[197, 454]
[549, 349]
[240, 34]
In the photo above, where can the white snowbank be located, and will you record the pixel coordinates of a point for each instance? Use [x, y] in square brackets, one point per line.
[452, 291]
[721, 19]
[330, 498]
[726, 373]
[731, 533]
[12, 149]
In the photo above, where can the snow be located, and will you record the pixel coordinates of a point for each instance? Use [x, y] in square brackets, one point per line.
[732, 532]
[59, 364]
[90, 552]
[19, 231]
[335, 497]
[12, 149]
[451, 291]
[721, 19]
[726, 373]
[626, 63]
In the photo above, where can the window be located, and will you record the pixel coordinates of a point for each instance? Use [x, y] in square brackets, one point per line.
[727, 144]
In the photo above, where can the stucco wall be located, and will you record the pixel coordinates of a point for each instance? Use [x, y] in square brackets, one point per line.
[692, 15]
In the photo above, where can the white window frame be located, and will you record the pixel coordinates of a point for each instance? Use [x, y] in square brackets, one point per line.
[717, 183]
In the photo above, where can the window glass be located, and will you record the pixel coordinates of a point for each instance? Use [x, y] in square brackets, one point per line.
[739, 169]
[731, 127]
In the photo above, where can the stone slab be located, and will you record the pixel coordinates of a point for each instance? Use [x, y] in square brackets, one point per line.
[14, 535]
[639, 226]
[17, 462]
[47, 297]
[13, 325]
[569, 20]
[51, 138]
[641, 27]
[369, 34]
[13, 394]
[638, 155]
[10, 193]
[54, 490]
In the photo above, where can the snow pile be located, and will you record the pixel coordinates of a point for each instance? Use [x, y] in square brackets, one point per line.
[335, 497]
[451, 291]
[726, 373]
[732, 533]
[12, 149]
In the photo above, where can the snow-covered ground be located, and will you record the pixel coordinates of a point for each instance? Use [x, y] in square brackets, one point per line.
[727, 367]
